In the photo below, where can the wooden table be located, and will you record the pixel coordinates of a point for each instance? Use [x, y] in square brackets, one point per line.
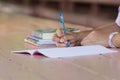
[14, 28]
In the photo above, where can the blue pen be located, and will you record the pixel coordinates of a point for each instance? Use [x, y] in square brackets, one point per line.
[63, 27]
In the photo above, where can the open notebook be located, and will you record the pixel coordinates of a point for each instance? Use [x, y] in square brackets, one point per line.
[69, 51]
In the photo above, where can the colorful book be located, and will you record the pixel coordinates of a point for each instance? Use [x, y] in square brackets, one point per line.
[38, 41]
[48, 33]
[44, 34]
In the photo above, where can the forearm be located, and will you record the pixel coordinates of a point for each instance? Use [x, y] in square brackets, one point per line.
[109, 28]
[80, 36]
[96, 38]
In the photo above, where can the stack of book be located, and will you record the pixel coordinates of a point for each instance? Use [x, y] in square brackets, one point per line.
[44, 37]
[41, 37]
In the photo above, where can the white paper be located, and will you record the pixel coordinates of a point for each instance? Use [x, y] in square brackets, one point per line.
[70, 51]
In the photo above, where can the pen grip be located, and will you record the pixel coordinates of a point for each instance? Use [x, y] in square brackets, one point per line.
[67, 44]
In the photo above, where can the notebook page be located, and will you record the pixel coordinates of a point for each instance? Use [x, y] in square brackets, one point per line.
[70, 51]
[76, 51]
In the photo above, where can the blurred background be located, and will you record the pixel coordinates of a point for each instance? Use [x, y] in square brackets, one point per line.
[91, 13]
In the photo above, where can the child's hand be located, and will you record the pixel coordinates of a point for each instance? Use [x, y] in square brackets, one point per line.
[61, 39]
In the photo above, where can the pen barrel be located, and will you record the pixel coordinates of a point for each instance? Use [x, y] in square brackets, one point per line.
[64, 29]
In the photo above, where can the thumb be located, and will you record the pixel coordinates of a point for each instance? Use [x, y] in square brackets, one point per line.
[59, 32]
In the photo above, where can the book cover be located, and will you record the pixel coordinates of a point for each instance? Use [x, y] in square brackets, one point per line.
[48, 33]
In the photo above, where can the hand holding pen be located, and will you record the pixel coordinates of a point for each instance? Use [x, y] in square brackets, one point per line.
[60, 38]
[64, 39]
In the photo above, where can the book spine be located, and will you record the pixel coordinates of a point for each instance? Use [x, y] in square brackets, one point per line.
[30, 42]
[39, 41]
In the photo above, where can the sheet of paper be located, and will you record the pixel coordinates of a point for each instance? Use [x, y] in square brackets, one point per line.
[70, 51]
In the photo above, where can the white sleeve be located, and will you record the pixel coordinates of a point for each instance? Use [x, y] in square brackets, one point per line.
[118, 17]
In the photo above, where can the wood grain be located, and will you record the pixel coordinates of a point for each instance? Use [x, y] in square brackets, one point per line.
[14, 28]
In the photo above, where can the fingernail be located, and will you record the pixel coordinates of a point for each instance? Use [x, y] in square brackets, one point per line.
[61, 40]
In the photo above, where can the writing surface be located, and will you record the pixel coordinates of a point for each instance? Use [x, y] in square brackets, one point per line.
[69, 51]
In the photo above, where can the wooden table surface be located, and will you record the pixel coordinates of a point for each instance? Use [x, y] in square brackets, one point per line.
[14, 28]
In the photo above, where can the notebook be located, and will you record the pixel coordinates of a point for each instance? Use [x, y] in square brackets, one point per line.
[68, 51]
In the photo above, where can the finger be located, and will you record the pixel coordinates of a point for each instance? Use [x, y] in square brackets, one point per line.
[72, 41]
[64, 45]
[69, 38]
[60, 44]
[59, 32]
[55, 38]
[76, 43]
[72, 44]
